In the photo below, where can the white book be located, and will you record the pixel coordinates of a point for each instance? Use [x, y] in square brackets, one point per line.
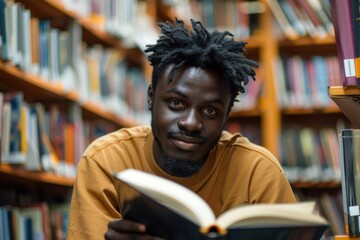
[169, 209]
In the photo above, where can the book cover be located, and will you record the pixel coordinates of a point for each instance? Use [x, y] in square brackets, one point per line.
[344, 35]
[172, 211]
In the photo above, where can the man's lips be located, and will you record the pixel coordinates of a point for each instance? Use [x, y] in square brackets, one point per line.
[186, 143]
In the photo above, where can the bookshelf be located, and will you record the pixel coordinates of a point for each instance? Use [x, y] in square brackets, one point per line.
[67, 106]
[38, 177]
[348, 101]
[39, 89]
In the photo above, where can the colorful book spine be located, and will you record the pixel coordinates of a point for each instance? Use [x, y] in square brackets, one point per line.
[343, 27]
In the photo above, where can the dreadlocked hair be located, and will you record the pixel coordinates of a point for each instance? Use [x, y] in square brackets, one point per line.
[199, 48]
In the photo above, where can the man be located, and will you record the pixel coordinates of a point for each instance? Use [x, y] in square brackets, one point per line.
[196, 78]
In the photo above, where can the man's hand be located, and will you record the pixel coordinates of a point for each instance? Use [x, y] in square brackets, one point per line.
[125, 229]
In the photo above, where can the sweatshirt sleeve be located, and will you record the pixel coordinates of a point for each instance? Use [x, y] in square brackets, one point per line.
[93, 202]
[268, 184]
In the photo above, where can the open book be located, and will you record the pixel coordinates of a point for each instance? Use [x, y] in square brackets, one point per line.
[172, 211]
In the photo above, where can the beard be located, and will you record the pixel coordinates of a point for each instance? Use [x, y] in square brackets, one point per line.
[175, 166]
[178, 167]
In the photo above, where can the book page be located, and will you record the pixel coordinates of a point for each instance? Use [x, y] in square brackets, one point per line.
[172, 195]
[271, 215]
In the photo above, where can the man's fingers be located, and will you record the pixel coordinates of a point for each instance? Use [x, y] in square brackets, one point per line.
[126, 226]
[125, 229]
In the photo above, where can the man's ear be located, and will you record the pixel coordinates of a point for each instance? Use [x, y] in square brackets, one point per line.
[150, 94]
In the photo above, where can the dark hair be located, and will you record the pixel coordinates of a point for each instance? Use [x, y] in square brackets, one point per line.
[217, 50]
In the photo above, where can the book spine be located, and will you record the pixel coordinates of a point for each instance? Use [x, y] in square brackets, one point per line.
[341, 16]
[350, 180]
[3, 37]
[355, 7]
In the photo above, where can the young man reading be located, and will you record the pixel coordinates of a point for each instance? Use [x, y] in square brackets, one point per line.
[196, 78]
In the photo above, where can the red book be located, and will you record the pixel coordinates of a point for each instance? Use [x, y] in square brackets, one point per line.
[355, 6]
[342, 20]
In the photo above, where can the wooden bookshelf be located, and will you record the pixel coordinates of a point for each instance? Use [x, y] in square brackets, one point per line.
[38, 89]
[20, 186]
[345, 237]
[348, 100]
[19, 174]
[349, 91]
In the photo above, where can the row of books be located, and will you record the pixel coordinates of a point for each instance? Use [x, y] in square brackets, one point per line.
[303, 82]
[35, 221]
[239, 17]
[113, 16]
[310, 155]
[127, 19]
[14, 30]
[45, 138]
[100, 75]
[307, 154]
[299, 18]
[115, 85]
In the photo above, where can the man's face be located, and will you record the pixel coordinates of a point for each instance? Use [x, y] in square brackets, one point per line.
[188, 116]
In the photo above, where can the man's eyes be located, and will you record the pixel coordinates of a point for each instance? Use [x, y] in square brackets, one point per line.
[178, 105]
[210, 112]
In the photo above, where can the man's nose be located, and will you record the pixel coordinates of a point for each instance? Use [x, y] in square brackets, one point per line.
[191, 121]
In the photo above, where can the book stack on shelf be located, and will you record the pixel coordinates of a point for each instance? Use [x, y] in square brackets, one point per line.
[34, 221]
[346, 95]
[239, 17]
[59, 56]
[303, 81]
[297, 18]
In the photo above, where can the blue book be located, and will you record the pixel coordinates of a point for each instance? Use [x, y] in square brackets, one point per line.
[3, 39]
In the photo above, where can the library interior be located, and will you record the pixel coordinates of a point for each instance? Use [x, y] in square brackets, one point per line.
[72, 71]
